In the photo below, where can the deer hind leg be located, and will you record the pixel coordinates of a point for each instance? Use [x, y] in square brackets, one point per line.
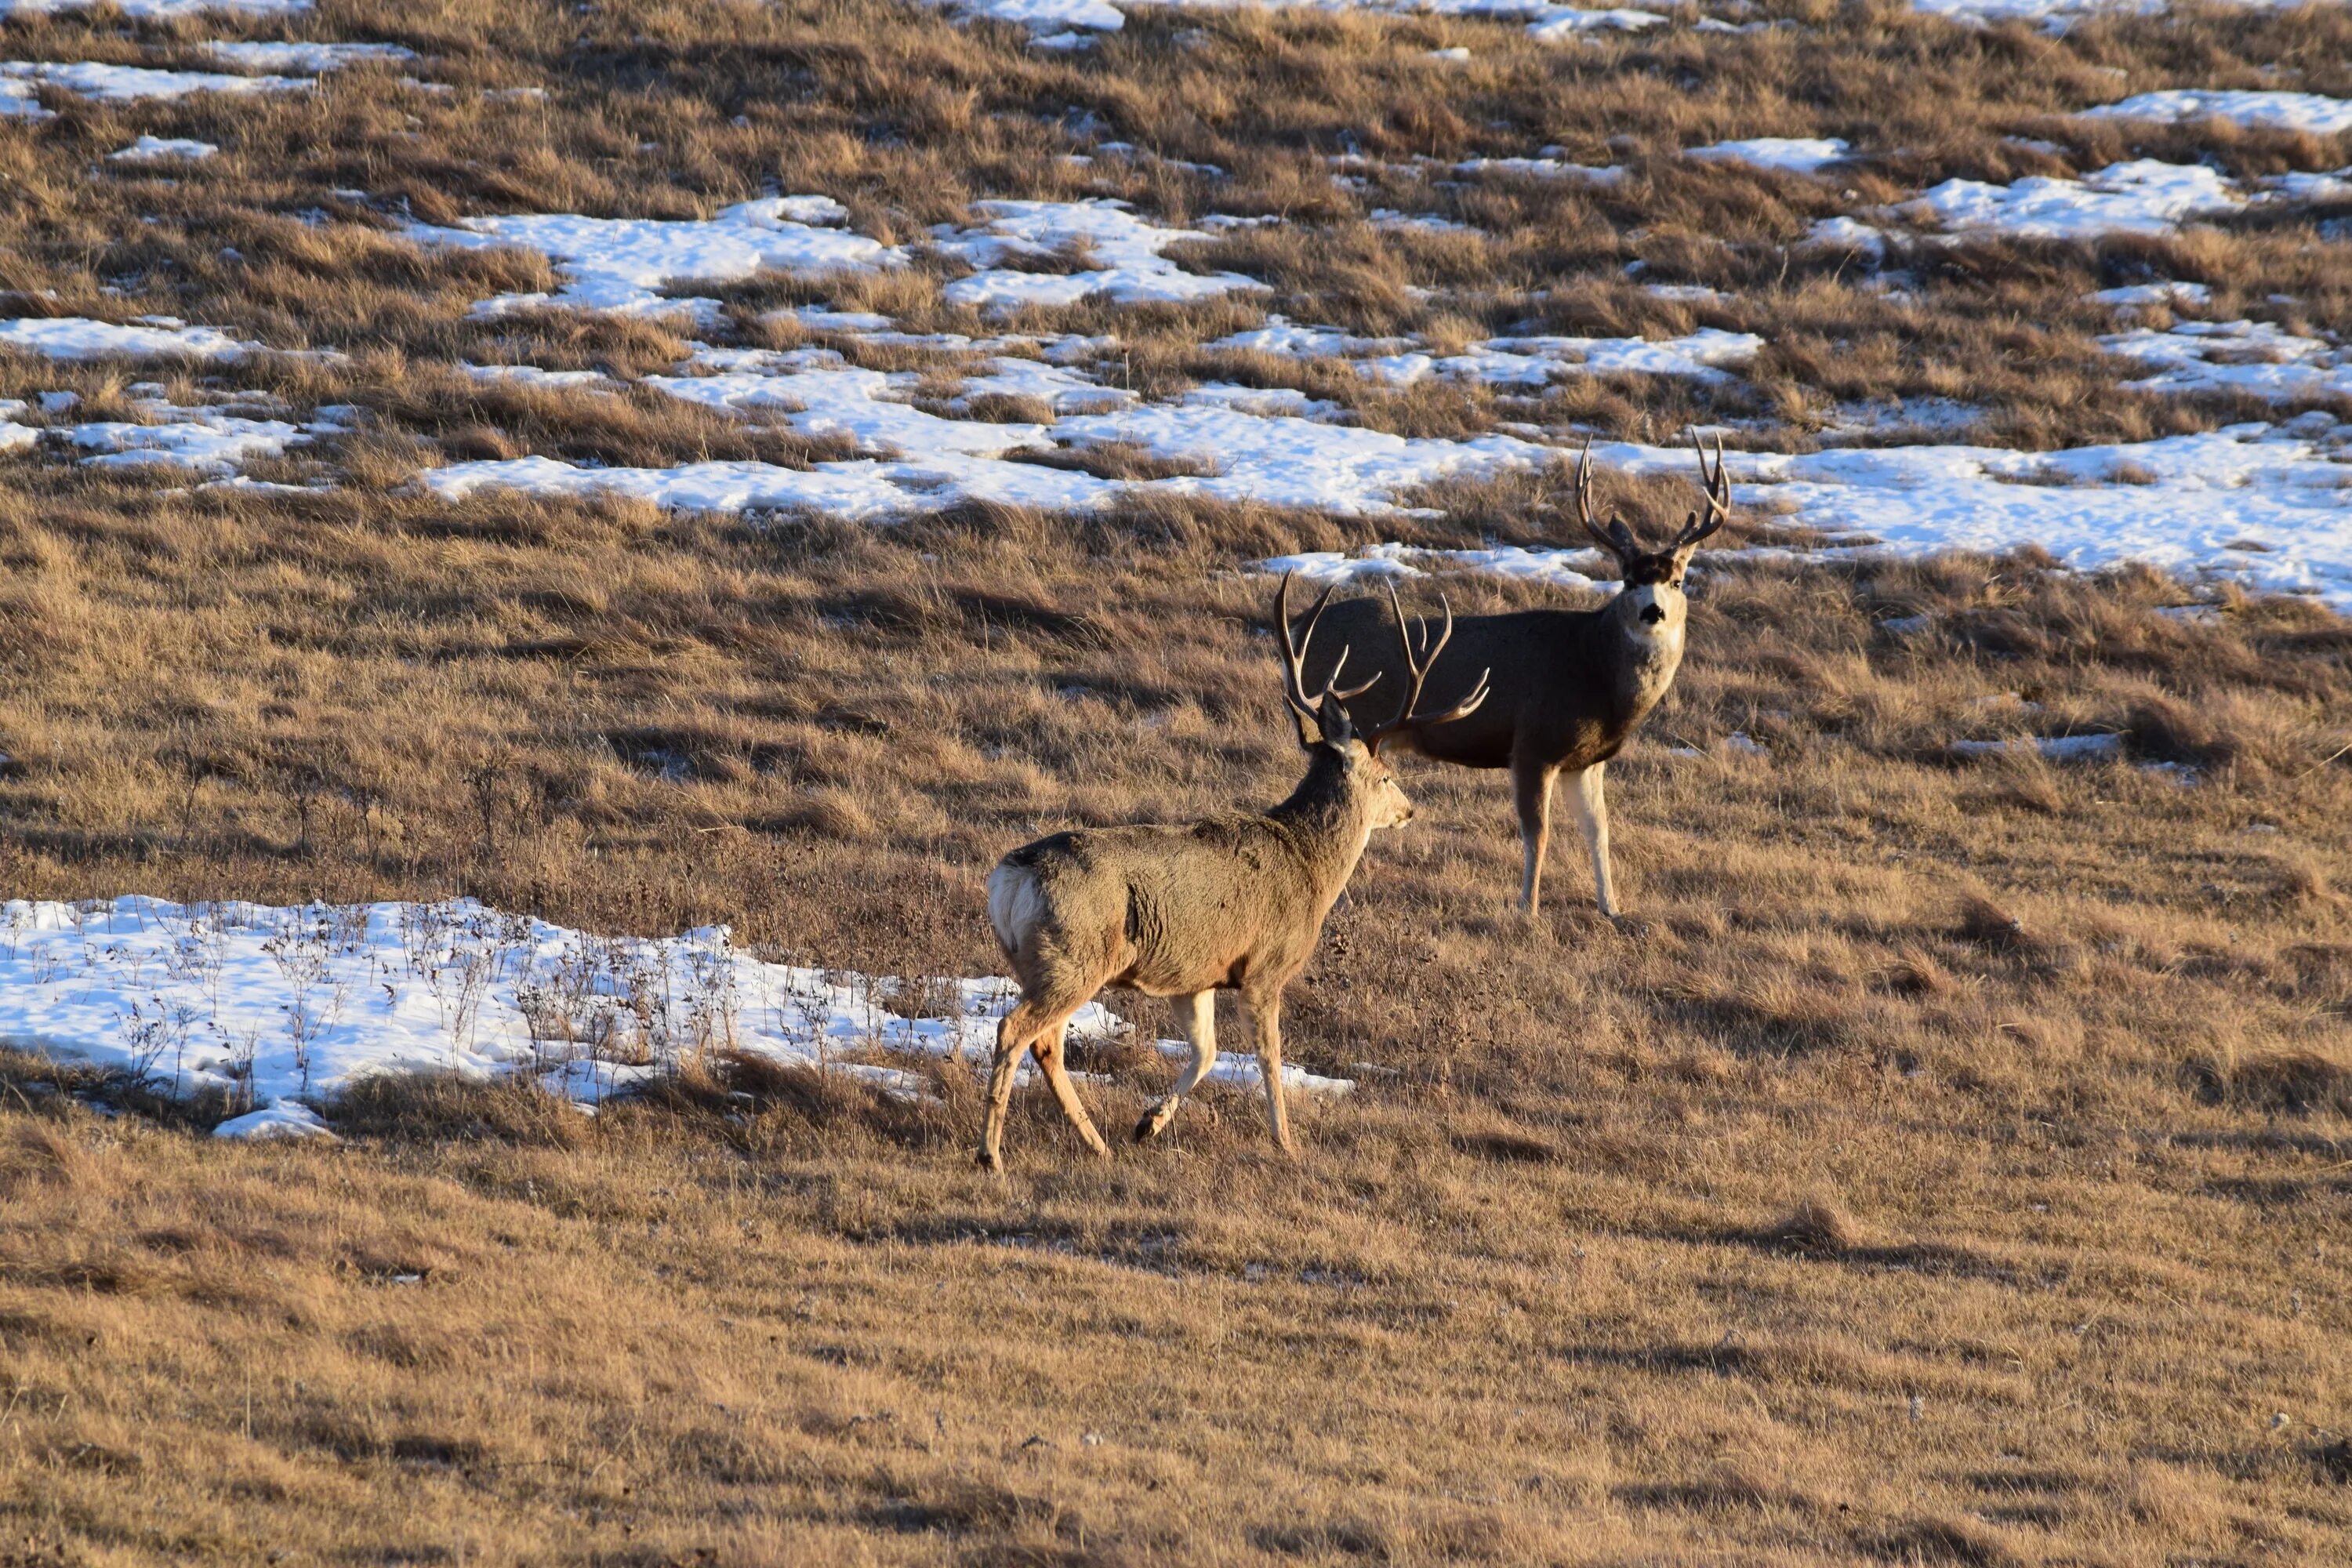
[1198, 1019]
[1591, 808]
[1013, 1034]
[1048, 1051]
[1266, 1019]
[1035, 1023]
[1532, 793]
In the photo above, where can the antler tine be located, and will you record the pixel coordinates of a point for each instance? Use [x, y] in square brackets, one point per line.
[1716, 482]
[1616, 538]
[1294, 655]
[1417, 669]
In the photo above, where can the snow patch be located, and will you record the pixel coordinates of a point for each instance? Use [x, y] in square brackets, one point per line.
[1131, 270]
[78, 338]
[2256, 357]
[1793, 154]
[162, 150]
[2257, 111]
[278, 1006]
[2145, 197]
[306, 57]
[627, 265]
[19, 79]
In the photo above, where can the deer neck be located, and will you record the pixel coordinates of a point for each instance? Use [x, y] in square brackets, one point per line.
[1643, 657]
[1327, 821]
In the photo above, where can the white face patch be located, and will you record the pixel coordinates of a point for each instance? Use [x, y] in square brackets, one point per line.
[1653, 610]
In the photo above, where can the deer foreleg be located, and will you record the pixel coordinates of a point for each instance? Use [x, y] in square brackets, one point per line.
[1532, 793]
[1198, 1020]
[1592, 807]
[1265, 1020]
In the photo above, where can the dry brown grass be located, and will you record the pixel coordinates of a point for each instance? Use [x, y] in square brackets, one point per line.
[1952, 1172]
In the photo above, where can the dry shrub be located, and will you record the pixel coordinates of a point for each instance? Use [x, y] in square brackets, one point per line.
[1988, 924]
[433, 1108]
[2296, 1082]
[1817, 1225]
[1931, 1542]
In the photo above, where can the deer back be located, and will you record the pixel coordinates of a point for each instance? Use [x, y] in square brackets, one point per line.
[1559, 687]
[1173, 909]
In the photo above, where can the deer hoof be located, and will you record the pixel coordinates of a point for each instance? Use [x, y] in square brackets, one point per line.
[989, 1162]
[1630, 925]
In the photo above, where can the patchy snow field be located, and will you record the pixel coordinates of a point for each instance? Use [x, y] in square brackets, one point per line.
[276, 1007]
[20, 81]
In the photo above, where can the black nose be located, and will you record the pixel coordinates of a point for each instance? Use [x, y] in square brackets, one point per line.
[1653, 614]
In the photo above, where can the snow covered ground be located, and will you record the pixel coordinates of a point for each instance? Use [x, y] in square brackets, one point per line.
[2265, 110]
[2237, 356]
[21, 79]
[1525, 363]
[2266, 506]
[278, 1006]
[164, 149]
[1796, 155]
[1131, 267]
[626, 265]
[158, 10]
[2144, 196]
[157, 337]
[1062, 23]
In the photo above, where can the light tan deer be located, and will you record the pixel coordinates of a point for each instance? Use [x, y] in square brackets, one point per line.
[1570, 685]
[1232, 902]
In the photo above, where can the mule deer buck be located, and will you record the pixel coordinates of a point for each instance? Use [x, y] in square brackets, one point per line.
[1569, 686]
[1232, 902]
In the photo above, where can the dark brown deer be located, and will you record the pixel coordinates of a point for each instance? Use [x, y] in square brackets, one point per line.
[1232, 902]
[1569, 686]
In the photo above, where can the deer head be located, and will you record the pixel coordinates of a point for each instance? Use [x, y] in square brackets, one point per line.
[1651, 603]
[1324, 722]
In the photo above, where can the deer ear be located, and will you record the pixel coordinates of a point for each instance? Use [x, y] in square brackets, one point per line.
[1336, 728]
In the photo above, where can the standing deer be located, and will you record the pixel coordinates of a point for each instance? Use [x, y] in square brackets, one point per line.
[1570, 685]
[1232, 902]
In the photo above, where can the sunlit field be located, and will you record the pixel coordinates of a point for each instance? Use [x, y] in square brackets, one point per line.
[1947, 1160]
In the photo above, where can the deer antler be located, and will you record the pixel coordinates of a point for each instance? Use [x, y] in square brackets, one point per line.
[1323, 708]
[1417, 667]
[1616, 538]
[1717, 482]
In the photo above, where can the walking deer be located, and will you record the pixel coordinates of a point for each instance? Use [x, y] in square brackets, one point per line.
[1232, 902]
[1569, 686]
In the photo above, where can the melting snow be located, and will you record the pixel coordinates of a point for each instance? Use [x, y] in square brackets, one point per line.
[162, 150]
[1796, 155]
[2237, 356]
[120, 84]
[1532, 362]
[2185, 504]
[816, 393]
[2139, 294]
[305, 57]
[158, 10]
[2263, 110]
[200, 439]
[1545, 167]
[278, 1006]
[625, 265]
[1127, 248]
[2055, 748]
[77, 337]
[2145, 197]
[1055, 20]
